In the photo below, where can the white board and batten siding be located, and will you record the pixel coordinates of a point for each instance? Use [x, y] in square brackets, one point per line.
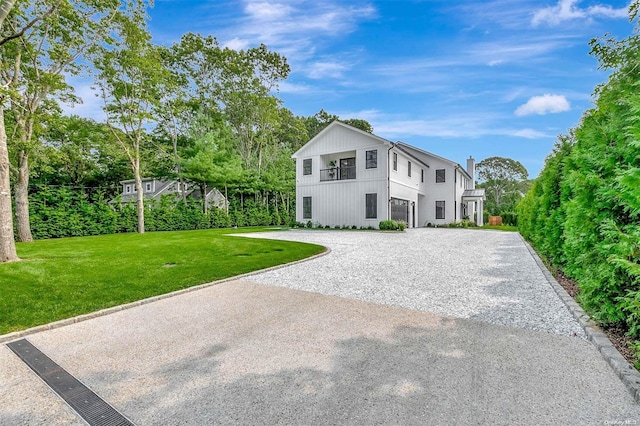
[342, 202]
[456, 180]
[410, 188]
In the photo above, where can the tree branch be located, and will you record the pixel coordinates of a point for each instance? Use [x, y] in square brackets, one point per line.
[30, 24]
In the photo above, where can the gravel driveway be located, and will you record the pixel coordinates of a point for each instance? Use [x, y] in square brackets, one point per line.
[482, 275]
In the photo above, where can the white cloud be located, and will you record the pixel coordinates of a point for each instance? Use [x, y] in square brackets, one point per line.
[237, 44]
[320, 70]
[296, 89]
[567, 10]
[295, 25]
[545, 104]
[265, 11]
[91, 105]
[530, 134]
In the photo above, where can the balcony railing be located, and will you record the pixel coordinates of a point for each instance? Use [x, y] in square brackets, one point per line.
[338, 173]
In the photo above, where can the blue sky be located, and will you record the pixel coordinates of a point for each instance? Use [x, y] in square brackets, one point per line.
[457, 78]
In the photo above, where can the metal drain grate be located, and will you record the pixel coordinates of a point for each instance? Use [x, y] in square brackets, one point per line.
[93, 409]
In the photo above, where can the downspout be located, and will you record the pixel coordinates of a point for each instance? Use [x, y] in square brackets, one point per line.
[389, 182]
[455, 187]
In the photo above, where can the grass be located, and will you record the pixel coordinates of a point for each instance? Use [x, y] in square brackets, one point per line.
[507, 228]
[62, 278]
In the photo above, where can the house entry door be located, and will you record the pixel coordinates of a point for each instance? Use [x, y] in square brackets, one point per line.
[400, 210]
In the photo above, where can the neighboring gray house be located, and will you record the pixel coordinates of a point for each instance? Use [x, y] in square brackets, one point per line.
[155, 188]
[345, 176]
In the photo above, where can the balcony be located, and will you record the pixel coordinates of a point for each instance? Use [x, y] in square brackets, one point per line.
[338, 173]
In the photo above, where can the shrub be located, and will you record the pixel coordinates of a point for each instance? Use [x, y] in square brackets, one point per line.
[392, 225]
[509, 218]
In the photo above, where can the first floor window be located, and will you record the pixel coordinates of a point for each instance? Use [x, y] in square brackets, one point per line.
[371, 206]
[439, 209]
[306, 207]
[306, 166]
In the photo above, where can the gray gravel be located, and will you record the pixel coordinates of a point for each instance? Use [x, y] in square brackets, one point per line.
[488, 276]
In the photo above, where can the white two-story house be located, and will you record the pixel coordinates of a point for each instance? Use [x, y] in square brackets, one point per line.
[345, 176]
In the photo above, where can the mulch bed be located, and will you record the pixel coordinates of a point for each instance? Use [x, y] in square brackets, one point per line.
[617, 335]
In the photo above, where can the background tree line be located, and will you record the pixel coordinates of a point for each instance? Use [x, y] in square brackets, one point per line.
[193, 111]
[583, 211]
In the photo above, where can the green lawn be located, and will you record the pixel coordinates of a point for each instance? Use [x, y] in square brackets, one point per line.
[62, 278]
[507, 228]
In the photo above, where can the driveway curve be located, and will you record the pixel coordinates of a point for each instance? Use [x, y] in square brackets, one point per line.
[488, 276]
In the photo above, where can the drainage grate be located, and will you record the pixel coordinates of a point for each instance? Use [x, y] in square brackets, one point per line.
[93, 409]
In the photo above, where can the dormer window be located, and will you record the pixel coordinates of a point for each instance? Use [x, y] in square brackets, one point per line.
[127, 189]
[147, 187]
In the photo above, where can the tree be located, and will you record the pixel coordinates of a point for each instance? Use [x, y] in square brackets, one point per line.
[130, 76]
[238, 84]
[36, 64]
[9, 33]
[321, 119]
[501, 177]
[359, 123]
[317, 122]
[80, 152]
[212, 164]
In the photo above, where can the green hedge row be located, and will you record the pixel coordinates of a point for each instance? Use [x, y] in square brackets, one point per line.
[63, 212]
[583, 211]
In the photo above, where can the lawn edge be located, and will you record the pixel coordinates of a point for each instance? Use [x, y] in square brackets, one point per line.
[7, 338]
[623, 369]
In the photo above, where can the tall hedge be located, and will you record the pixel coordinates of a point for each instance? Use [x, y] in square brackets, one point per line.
[65, 212]
[583, 211]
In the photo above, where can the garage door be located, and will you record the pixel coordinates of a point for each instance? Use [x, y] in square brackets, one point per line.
[400, 210]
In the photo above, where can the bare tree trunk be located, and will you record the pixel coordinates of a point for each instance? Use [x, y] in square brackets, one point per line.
[23, 224]
[5, 8]
[204, 199]
[139, 195]
[226, 199]
[7, 242]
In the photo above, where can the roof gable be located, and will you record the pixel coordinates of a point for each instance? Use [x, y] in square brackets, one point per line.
[336, 126]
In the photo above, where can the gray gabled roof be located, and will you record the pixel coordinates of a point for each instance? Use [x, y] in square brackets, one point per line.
[418, 151]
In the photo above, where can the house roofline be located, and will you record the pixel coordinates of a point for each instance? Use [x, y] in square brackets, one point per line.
[422, 151]
[411, 155]
[339, 123]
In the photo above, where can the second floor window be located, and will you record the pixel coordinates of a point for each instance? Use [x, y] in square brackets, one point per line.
[306, 166]
[440, 175]
[372, 159]
[409, 169]
[395, 162]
